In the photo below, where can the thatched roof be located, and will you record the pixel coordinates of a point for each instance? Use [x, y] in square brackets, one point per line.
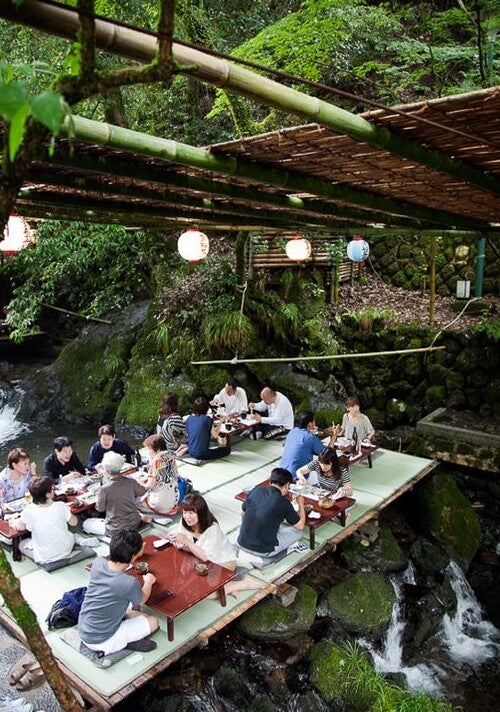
[341, 182]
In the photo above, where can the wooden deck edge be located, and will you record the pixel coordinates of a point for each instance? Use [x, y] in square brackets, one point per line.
[101, 702]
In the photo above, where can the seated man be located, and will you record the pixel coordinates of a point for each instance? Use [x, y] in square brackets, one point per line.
[63, 462]
[302, 443]
[262, 530]
[108, 442]
[117, 499]
[107, 621]
[48, 522]
[232, 397]
[279, 418]
[200, 428]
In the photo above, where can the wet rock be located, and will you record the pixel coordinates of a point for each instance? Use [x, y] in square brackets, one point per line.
[383, 555]
[445, 513]
[232, 685]
[362, 603]
[424, 607]
[271, 621]
[428, 558]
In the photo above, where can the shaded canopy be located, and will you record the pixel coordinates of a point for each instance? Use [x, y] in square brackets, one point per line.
[345, 172]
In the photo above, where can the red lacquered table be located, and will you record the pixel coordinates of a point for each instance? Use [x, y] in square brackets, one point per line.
[338, 510]
[9, 532]
[175, 571]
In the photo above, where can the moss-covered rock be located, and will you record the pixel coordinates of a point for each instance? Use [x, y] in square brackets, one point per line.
[383, 555]
[362, 603]
[446, 514]
[271, 621]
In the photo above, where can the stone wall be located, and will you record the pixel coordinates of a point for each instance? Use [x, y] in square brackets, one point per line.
[403, 261]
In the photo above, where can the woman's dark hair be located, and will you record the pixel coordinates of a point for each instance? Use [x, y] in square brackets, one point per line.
[155, 442]
[280, 476]
[329, 456]
[170, 404]
[62, 441]
[40, 488]
[106, 430]
[352, 400]
[201, 405]
[304, 418]
[124, 545]
[18, 453]
[194, 502]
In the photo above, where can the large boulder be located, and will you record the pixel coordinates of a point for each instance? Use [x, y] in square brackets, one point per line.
[383, 555]
[445, 513]
[86, 382]
[361, 604]
[271, 621]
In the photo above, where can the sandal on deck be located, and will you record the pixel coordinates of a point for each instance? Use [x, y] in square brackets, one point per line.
[32, 678]
[20, 668]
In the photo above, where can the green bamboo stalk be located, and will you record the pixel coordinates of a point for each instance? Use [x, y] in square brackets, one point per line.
[173, 151]
[219, 72]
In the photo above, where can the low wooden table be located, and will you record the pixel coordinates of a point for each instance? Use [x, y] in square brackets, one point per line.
[174, 570]
[238, 427]
[14, 535]
[365, 453]
[338, 510]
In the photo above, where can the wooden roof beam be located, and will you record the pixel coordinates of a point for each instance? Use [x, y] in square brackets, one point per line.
[219, 72]
[104, 134]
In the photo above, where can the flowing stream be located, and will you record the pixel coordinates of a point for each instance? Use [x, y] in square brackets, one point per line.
[465, 638]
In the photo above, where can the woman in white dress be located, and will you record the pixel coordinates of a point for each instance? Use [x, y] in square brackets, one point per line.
[199, 532]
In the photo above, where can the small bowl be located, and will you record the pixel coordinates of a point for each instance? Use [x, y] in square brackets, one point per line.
[70, 491]
[326, 503]
[143, 567]
[201, 569]
[308, 508]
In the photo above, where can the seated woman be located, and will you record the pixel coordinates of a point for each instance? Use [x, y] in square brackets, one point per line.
[161, 478]
[15, 478]
[200, 428]
[48, 522]
[354, 419]
[170, 424]
[200, 533]
[329, 472]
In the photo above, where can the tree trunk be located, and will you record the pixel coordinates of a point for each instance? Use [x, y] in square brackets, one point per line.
[9, 585]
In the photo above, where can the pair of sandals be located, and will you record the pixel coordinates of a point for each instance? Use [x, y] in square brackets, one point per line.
[26, 673]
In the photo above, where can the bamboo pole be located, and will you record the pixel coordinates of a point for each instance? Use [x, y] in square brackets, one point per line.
[104, 134]
[432, 280]
[221, 73]
[214, 188]
[329, 357]
[80, 316]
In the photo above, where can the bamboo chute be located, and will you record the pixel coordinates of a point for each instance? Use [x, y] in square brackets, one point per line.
[328, 357]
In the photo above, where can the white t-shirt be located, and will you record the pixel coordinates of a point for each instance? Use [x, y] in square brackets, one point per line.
[234, 403]
[214, 543]
[50, 536]
[279, 413]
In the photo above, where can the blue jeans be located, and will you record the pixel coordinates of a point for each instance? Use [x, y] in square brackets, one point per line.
[287, 535]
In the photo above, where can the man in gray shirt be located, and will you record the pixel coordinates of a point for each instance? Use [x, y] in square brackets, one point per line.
[117, 499]
[107, 621]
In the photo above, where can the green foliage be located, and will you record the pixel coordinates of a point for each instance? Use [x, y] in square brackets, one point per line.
[490, 328]
[228, 330]
[17, 104]
[81, 267]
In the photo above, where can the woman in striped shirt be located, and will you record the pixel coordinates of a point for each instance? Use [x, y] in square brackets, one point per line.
[328, 472]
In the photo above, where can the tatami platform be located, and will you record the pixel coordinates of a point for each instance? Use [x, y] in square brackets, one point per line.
[249, 463]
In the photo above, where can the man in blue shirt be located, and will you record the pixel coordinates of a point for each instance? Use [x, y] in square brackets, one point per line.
[302, 443]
